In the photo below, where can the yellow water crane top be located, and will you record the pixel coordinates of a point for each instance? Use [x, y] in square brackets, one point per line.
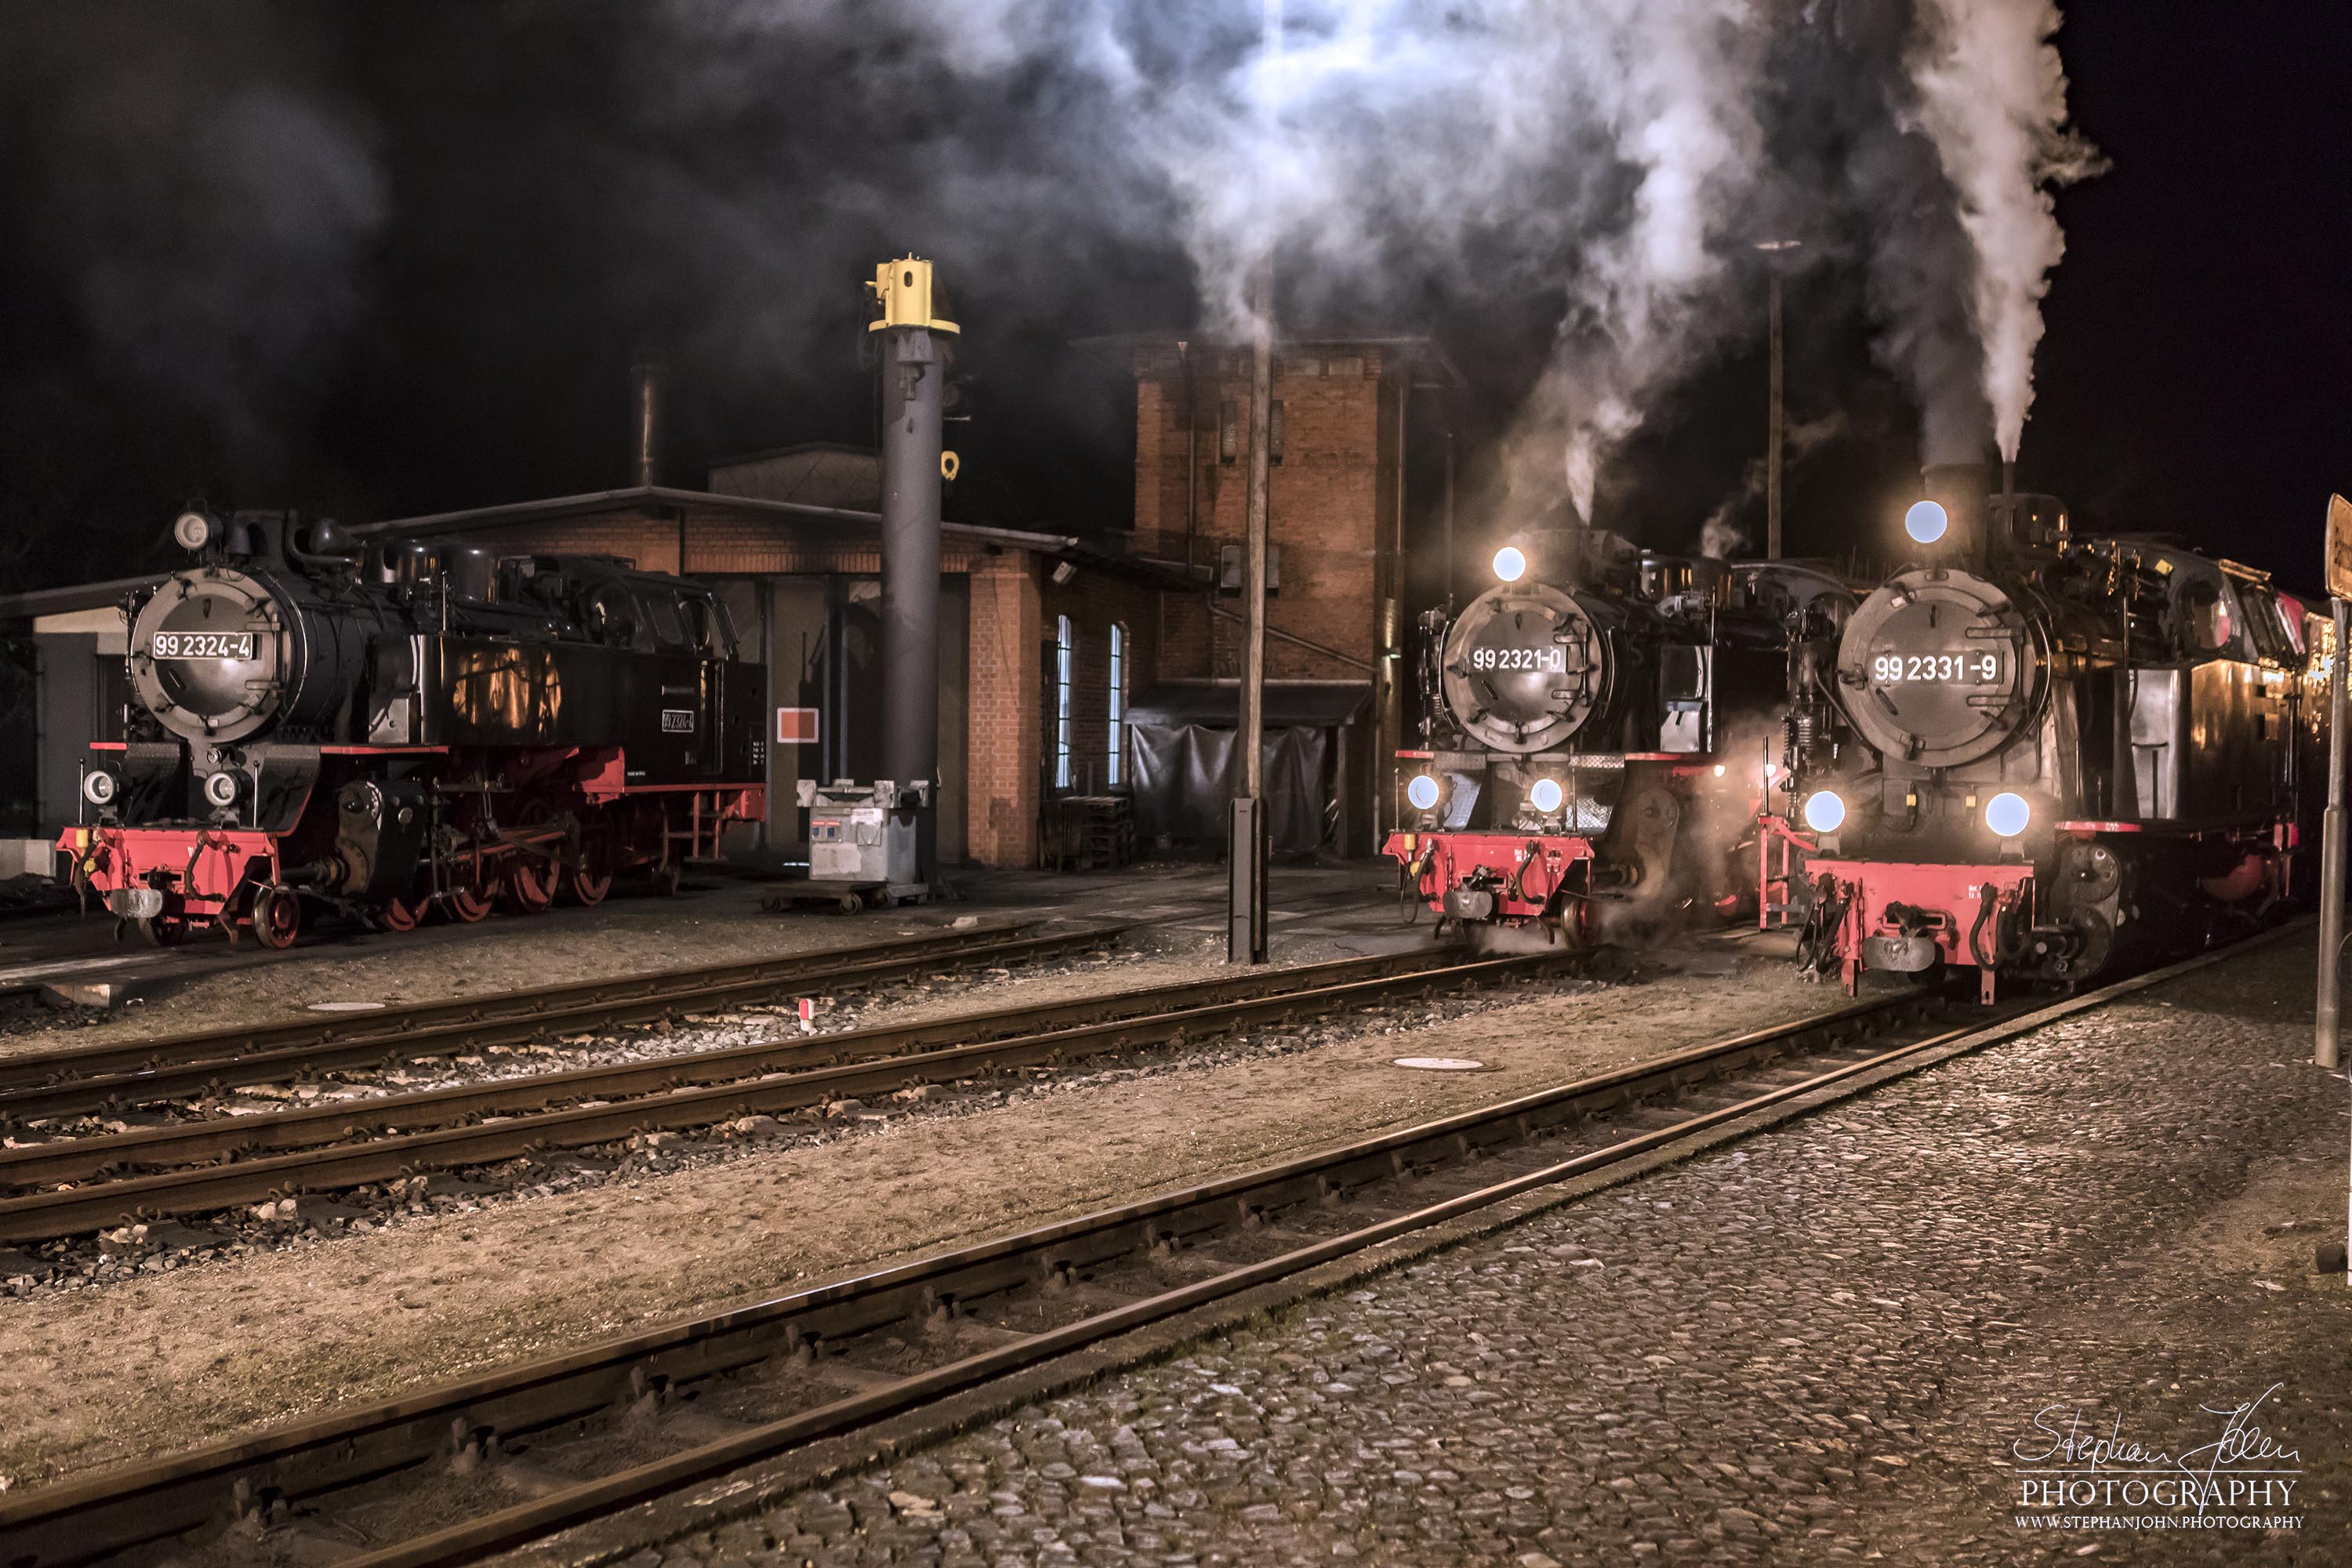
[903, 289]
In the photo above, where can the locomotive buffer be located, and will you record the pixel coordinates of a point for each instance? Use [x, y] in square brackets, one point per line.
[877, 844]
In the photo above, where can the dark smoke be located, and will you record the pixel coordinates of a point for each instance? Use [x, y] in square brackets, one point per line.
[376, 259]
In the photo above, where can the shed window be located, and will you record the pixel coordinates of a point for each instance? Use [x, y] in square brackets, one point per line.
[1117, 726]
[1062, 651]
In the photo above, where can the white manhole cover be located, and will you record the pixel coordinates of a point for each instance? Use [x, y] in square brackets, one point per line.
[345, 1006]
[1439, 1064]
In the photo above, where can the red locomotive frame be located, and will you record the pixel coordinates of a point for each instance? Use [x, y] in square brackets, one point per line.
[575, 820]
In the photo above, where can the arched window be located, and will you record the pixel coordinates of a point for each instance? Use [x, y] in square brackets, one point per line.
[1118, 701]
[1062, 651]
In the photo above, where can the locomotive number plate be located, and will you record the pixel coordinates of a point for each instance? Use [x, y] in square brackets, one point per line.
[1979, 669]
[1553, 659]
[202, 645]
[677, 720]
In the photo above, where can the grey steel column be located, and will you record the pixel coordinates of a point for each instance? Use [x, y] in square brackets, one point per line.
[2328, 1052]
[914, 371]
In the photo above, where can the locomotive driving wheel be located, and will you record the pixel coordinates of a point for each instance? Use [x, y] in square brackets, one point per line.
[468, 902]
[163, 930]
[593, 878]
[277, 917]
[400, 915]
[531, 877]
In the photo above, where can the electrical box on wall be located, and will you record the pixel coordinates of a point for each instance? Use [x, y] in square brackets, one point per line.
[1230, 573]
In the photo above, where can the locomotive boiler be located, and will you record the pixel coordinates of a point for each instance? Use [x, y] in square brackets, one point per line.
[415, 725]
[1593, 731]
[2037, 754]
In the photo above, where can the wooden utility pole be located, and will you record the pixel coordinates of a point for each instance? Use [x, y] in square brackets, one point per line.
[1777, 420]
[1774, 436]
[1245, 823]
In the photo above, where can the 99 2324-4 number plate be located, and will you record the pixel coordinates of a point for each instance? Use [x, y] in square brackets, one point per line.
[202, 645]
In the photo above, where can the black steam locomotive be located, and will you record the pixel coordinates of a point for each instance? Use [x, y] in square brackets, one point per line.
[2037, 754]
[411, 725]
[1595, 735]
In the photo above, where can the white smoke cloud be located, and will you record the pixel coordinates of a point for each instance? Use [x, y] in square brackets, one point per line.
[1723, 535]
[1992, 100]
[1592, 147]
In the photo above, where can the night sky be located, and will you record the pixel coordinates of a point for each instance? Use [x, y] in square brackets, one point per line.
[380, 260]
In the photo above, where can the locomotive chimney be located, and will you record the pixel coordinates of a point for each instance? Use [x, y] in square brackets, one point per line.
[646, 418]
[1964, 492]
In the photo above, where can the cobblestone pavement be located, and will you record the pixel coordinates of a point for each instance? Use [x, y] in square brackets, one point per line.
[1827, 1344]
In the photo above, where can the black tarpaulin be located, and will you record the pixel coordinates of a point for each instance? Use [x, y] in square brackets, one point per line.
[1188, 761]
[1186, 775]
[1289, 704]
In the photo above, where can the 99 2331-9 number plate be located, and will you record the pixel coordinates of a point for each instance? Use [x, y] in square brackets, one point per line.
[202, 645]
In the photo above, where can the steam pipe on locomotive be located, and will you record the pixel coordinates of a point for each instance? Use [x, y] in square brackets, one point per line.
[407, 725]
[2038, 753]
[1588, 729]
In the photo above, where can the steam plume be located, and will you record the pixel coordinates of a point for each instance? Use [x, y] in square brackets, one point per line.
[1591, 147]
[1723, 535]
[1992, 100]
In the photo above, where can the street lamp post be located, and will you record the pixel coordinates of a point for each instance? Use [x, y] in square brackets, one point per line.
[1777, 418]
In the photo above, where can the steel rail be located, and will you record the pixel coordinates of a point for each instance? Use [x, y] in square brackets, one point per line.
[150, 1149]
[206, 1188]
[208, 1044]
[447, 1028]
[85, 1519]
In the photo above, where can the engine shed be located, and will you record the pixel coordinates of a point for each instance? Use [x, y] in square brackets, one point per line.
[1075, 663]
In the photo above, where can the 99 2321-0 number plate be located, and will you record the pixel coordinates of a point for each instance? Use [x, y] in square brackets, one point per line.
[202, 645]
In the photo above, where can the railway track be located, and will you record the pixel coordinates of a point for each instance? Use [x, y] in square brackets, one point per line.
[86, 1078]
[448, 1474]
[75, 1185]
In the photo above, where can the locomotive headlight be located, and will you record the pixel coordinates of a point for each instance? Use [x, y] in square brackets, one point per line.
[192, 530]
[1824, 811]
[98, 787]
[221, 788]
[2007, 813]
[1544, 796]
[1926, 521]
[1421, 791]
[1510, 565]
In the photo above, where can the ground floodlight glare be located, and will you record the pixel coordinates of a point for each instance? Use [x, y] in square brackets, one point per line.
[1423, 793]
[1824, 811]
[1925, 521]
[1510, 564]
[2007, 814]
[1545, 796]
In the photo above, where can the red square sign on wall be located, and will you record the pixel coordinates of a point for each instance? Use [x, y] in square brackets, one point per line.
[795, 726]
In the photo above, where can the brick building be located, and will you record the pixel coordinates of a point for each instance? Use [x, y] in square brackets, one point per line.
[1070, 662]
[1337, 503]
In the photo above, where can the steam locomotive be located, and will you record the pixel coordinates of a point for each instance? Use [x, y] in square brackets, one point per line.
[408, 726]
[1595, 733]
[2041, 754]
